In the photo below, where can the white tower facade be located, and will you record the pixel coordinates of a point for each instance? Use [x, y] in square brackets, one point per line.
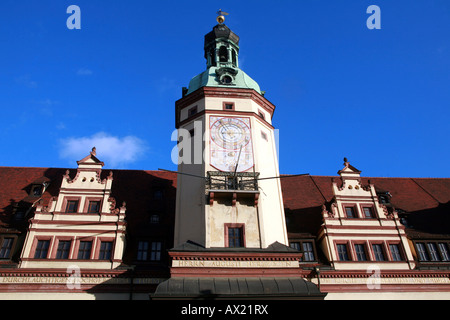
[227, 195]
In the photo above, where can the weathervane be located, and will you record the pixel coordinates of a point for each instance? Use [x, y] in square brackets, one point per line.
[221, 16]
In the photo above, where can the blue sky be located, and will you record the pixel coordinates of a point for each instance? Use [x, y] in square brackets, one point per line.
[380, 98]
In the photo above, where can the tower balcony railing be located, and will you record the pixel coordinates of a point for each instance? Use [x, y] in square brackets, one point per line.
[239, 181]
[237, 187]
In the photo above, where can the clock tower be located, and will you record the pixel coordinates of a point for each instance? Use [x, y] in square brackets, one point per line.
[227, 193]
[230, 231]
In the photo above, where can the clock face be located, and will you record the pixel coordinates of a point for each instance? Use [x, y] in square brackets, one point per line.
[230, 143]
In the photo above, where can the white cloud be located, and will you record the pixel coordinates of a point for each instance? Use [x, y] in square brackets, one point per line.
[114, 151]
[84, 72]
[26, 81]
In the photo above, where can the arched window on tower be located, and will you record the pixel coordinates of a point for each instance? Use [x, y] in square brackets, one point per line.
[223, 54]
[233, 58]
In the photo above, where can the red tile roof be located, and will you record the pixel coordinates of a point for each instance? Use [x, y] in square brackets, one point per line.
[303, 195]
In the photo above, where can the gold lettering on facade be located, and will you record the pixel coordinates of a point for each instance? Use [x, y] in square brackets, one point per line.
[235, 264]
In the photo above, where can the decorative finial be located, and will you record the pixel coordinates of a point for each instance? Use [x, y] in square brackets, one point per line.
[221, 16]
[94, 151]
[346, 163]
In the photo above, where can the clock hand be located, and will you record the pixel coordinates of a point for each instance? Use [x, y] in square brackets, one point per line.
[237, 162]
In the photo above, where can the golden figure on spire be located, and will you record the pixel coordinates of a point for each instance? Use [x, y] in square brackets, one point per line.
[221, 16]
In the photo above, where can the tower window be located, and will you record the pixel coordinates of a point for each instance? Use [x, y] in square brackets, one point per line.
[192, 111]
[226, 79]
[228, 105]
[223, 54]
[261, 115]
[234, 234]
[234, 237]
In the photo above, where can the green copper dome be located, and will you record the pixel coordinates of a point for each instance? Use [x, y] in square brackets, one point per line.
[209, 78]
[221, 53]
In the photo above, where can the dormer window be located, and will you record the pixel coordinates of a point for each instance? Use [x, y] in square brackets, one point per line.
[384, 199]
[36, 190]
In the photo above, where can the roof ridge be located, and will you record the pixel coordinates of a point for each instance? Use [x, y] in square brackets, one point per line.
[426, 191]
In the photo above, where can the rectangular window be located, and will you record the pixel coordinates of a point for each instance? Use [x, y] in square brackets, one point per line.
[5, 249]
[261, 114]
[395, 252]
[235, 238]
[264, 135]
[142, 250]
[308, 252]
[155, 251]
[378, 252]
[423, 255]
[149, 250]
[228, 106]
[360, 252]
[94, 207]
[433, 251]
[84, 250]
[63, 250]
[192, 111]
[295, 245]
[72, 206]
[342, 252]
[444, 251]
[105, 250]
[41, 249]
[368, 212]
[350, 212]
